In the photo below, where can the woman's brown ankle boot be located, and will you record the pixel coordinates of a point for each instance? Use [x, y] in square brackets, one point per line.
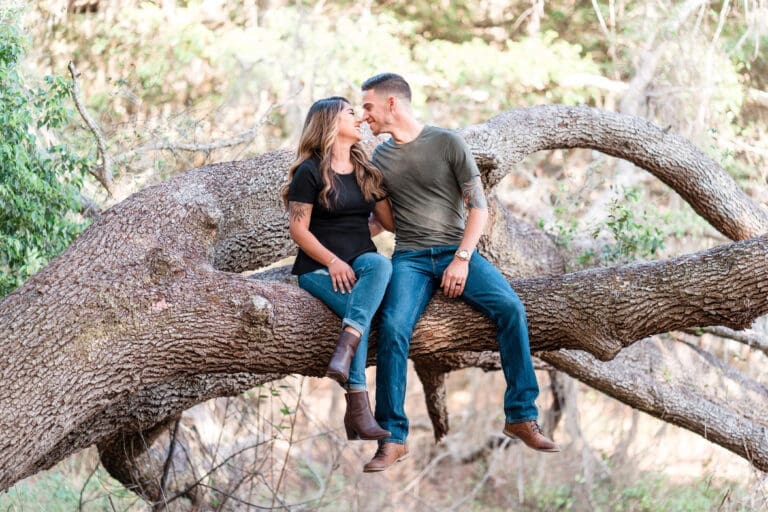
[359, 420]
[338, 368]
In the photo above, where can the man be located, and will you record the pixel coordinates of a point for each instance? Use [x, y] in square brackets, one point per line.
[432, 178]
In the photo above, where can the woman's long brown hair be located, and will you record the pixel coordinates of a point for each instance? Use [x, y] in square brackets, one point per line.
[317, 137]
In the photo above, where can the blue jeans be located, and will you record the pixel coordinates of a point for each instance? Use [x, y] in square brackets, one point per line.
[356, 308]
[416, 276]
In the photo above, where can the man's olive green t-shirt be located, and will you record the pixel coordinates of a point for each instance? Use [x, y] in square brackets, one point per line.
[424, 179]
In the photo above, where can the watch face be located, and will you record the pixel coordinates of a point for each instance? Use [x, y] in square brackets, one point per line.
[463, 254]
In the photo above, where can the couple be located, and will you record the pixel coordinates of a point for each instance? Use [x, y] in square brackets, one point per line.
[418, 184]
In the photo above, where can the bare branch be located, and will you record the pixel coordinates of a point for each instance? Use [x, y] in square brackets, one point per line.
[747, 336]
[102, 173]
[243, 137]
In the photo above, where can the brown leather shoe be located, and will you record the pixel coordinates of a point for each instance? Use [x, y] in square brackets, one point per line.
[338, 368]
[359, 421]
[386, 455]
[529, 432]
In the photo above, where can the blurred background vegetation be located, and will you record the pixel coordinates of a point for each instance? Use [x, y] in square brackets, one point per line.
[177, 84]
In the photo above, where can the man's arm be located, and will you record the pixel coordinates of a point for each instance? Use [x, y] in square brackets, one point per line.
[455, 275]
[382, 214]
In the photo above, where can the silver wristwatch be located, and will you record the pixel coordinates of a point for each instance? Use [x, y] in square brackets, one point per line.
[463, 254]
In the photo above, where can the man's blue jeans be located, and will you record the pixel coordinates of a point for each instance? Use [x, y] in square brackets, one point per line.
[357, 308]
[416, 275]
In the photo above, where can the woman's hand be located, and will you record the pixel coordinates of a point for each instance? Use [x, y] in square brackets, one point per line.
[342, 275]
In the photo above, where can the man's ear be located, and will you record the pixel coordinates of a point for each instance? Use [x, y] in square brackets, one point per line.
[391, 102]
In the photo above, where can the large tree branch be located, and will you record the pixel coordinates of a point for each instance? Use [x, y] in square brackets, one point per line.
[685, 386]
[710, 190]
[167, 330]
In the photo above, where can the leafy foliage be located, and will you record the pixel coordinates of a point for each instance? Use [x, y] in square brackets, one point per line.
[623, 236]
[40, 182]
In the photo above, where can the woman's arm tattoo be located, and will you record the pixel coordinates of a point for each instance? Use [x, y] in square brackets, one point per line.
[472, 192]
[297, 211]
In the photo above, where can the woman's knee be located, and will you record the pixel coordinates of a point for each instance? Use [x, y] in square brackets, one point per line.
[377, 264]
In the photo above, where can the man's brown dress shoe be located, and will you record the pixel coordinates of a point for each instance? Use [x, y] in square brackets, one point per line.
[386, 455]
[529, 432]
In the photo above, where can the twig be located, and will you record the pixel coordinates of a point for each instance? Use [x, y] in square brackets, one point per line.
[290, 442]
[600, 18]
[169, 457]
[241, 138]
[102, 173]
[421, 475]
[479, 485]
[212, 470]
[82, 489]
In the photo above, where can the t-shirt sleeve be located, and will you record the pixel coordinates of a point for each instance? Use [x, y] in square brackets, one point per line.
[305, 184]
[463, 162]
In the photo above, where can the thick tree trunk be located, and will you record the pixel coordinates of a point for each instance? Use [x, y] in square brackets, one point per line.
[141, 316]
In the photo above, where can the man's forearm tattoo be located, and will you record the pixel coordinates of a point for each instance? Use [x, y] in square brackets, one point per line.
[298, 211]
[472, 192]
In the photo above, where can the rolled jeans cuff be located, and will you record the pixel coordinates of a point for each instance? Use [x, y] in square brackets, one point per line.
[346, 322]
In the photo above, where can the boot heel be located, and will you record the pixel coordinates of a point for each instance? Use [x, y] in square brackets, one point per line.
[352, 435]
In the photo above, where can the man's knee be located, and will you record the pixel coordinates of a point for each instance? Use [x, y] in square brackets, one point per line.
[512, 309]
[394, 333]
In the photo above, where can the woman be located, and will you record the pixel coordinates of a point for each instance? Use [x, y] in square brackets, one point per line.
[332, 191]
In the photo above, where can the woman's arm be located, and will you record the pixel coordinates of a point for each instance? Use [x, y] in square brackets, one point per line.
[342, 275]
[382, 213]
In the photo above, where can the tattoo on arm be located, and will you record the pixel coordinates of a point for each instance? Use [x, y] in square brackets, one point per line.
[297, 211]
[473, 194]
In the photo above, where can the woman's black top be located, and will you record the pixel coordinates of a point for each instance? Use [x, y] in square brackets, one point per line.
[342, 229]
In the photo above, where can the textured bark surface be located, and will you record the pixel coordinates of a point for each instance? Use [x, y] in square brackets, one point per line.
[142, 316]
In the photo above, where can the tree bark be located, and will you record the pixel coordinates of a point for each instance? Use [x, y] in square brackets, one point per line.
[142, 316]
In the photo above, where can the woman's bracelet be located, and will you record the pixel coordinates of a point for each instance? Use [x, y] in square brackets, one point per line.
[334, 259]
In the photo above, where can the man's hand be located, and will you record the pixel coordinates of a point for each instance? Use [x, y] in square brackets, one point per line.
[455, 278]
[342, 275]
[374, 226]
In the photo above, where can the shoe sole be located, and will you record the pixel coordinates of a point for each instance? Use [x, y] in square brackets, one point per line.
[358, 437]
[378, 470]
[545, 450]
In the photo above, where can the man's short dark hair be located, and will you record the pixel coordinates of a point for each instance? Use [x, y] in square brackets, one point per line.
[388, 83]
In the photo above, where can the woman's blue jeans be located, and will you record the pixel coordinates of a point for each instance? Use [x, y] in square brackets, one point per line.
[416, 276]
[356, 308]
